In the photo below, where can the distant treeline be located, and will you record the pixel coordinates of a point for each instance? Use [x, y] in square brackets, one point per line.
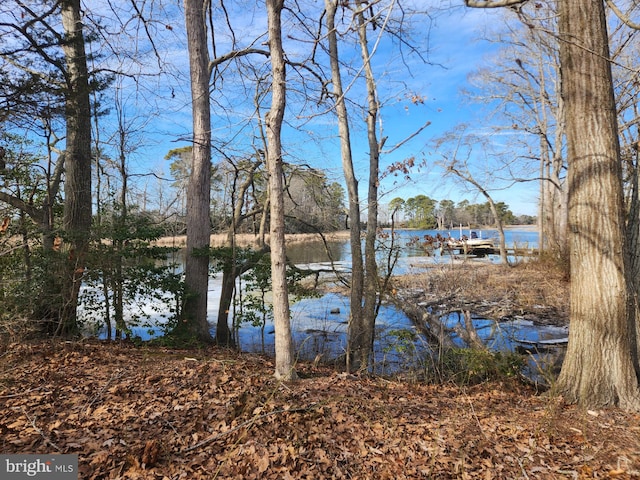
[424, 212]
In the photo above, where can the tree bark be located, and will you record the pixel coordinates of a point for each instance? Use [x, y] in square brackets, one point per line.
[598, 369]
[77, 184]
[633, 234]
[371, 283]
[285, 368]
[356, 321]
[194, 315]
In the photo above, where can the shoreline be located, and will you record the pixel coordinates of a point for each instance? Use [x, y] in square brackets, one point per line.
[249, 239]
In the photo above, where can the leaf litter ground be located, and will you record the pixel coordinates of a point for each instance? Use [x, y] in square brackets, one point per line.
[155, 413]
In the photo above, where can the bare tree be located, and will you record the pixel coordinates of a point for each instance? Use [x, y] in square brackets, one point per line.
[356, 320]
[624, 52]
[233, 267]
[521, 84]
[365, 285]
[364, 274]
[285, 367]
[458, 162]
[364, 341]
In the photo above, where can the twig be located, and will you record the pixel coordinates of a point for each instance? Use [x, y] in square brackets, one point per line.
[117, 374]
[251, 421]
[473, 412]
[524, 472]
[39, 430]
[13, 395]
[170, 426]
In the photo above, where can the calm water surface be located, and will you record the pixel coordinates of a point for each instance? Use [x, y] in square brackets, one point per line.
[319, 325]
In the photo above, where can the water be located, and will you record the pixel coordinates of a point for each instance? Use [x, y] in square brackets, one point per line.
[409, 242]
[319, 325]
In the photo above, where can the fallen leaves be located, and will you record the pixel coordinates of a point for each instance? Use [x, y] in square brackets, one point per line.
[143, 413]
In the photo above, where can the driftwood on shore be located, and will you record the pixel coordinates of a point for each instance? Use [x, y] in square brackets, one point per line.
[431, 325]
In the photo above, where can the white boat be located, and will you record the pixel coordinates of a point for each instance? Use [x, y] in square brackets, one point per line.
[475, 245]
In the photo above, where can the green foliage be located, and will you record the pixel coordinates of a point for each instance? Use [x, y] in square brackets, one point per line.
[252, 306]
[252, 303]
[421, 212]
[405, 340]
[16, 290]
[29, 290]
[425, 213]
[176, 338]
[129, 282]
[402, 342]
[462, 366]
[468, 366]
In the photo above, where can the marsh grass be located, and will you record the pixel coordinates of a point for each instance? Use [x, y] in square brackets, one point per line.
[248, 239]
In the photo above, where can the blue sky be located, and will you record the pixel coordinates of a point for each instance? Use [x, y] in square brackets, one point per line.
[454, 52]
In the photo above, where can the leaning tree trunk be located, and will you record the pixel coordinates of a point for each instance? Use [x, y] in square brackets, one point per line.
[194, 314]
[466, 176]
[598, 369]
[502, 242]
[356, 319]
[230, 270]
[223, 336]
[77, 184]
[281, 314]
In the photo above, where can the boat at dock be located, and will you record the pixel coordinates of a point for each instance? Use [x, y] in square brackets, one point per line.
[475, 245]
[479, 247]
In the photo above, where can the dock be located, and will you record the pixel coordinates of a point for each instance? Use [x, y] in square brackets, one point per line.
[480, 247]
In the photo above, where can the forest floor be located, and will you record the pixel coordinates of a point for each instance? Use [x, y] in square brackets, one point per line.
[147, 412]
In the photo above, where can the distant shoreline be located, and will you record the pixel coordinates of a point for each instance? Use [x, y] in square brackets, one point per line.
[249, 239]
[527, 228]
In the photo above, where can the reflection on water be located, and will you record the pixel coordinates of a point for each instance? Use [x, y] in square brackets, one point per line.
[319, 325]
[408, 243]
[316, 252]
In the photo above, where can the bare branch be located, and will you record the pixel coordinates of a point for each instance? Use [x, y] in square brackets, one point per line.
[624, 18]
[145, 24]
[233, 54]
[413, 135]
[492, 3]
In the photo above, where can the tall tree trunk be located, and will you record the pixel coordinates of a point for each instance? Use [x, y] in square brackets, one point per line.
[194, 315]
[356, 319]
[560, 197]
[633, 233]
[77, 185]
[371, 282]
[281, 314]
[598, 369]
